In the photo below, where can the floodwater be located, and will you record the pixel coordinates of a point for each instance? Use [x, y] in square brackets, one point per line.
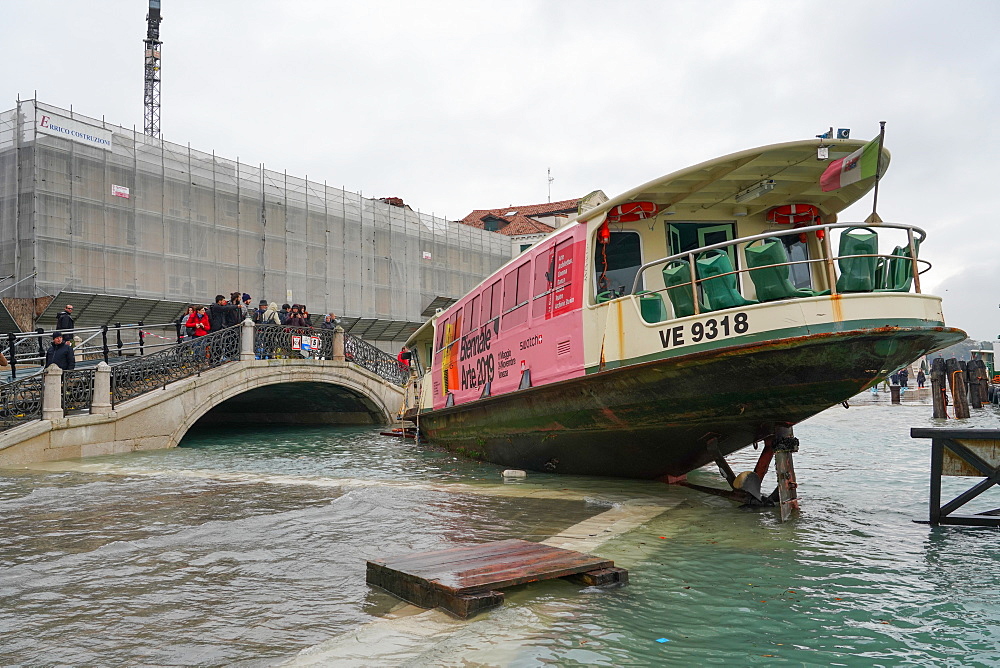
[248, 547]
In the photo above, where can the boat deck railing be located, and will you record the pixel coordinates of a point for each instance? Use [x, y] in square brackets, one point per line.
[704, 279]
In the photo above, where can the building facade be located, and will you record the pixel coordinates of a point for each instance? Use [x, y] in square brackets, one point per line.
[89, 209]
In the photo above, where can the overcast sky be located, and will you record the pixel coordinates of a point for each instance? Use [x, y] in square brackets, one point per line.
[455, 106]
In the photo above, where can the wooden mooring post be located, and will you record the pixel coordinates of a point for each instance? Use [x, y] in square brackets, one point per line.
[983, 378]
[962, 452]
[972, 382]
[939, 384]
[959, 390]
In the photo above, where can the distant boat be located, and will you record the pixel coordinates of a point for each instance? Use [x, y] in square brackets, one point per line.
[678, 322]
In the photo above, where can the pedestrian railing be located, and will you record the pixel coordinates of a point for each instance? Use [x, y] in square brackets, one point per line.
[283, 342]
[21, 400]
[377, 361]
[77, 390]
[183, 360]
[25, 351]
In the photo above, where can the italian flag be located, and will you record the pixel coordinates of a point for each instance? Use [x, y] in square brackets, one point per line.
[861, 164]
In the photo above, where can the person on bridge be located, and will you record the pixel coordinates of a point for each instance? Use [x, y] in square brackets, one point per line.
[258, 313]
[330, 321]
[60, 354]
[198, 323]
[217, 313]
[295, 318]
[270, 315]
[64, 321]
[404, 358]
[238, 316]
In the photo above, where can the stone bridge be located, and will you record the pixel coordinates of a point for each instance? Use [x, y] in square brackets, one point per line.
[245, 375]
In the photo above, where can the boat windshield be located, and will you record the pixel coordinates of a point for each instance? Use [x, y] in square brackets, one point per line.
[616, 264]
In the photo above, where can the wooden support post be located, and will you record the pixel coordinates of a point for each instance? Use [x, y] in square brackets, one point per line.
[938, 384]
[984, 381]
[972, 379]
[959, 393]
[785, 444]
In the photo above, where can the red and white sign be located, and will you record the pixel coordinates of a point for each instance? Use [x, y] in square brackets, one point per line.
[120, 191]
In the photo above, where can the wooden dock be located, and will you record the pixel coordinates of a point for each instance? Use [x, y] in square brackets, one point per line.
[467, 580]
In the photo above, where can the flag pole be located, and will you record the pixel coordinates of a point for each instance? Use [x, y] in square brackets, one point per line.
[874, 218]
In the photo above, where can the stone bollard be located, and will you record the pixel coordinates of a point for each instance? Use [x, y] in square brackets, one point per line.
[338, 344]
[246, 341]
[52, 393]
[894, 393]
[101, 403]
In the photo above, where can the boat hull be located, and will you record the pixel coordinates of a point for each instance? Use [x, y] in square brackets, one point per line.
[657, 418]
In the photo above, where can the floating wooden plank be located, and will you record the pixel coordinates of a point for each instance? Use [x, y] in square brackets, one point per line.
[466, 580]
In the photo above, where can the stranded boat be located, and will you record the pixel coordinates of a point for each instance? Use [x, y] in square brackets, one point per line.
[681, 321]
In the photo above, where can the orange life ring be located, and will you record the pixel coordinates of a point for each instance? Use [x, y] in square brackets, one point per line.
[798, 215]
[794, 214]
[632, 211]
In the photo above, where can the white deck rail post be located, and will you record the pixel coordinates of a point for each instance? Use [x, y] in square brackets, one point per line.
[52, 393]
[246, 341]
[101, 403]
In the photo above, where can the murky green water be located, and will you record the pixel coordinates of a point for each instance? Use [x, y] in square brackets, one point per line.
[248, 547]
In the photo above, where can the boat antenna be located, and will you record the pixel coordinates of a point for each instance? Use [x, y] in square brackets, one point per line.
[874, 218]
[550, 185]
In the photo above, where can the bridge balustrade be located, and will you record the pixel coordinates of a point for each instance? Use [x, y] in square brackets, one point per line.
[143, 374]
[22, 399]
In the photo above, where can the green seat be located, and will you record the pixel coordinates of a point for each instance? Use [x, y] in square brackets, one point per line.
[769, 271]
[605, 296]
[857, 274]
[719, 286]
[677, 278]
[898, 276]
[651, 306]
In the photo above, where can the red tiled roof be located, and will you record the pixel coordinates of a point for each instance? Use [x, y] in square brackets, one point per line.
[521, 221]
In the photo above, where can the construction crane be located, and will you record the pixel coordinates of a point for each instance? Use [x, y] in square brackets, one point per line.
[152, 61]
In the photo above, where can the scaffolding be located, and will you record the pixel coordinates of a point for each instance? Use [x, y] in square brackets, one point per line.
[95, 208]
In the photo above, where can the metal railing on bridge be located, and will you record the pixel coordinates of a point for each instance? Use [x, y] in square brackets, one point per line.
[26, 350]
[22, 399]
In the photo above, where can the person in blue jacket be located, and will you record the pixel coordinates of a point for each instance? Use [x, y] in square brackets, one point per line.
[60, 353]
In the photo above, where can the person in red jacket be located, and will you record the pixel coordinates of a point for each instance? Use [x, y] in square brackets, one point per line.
[198, 321]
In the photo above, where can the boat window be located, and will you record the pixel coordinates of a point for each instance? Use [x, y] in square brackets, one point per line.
[564, 297]
[692, 236]
[515, 295]
[472, 315]
[450, 330]
[544, 277]
[798, 251]
[456, 323]
[617, 262]
[490, 308]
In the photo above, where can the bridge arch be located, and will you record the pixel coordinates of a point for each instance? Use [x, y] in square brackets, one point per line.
[297, 393]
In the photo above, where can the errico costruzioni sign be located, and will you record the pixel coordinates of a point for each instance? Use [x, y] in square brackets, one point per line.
[58, 126]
